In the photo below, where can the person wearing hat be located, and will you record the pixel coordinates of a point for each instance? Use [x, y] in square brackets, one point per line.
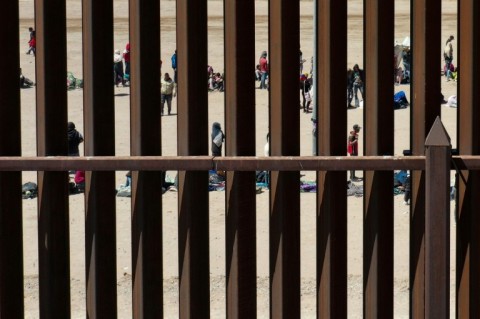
[352, 147]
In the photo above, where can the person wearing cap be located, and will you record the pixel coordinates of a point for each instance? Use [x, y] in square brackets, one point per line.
[352, 147]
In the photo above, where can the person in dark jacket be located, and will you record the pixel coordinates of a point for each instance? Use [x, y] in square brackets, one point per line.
[217, 139]
[74, 139]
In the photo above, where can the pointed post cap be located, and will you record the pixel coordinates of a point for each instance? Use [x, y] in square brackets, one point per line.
[438, 136]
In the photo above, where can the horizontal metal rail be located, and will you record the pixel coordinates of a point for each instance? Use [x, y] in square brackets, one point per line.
[227, 163]
[247, 163]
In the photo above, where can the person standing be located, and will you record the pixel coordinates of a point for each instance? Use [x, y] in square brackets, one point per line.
[352, 147]
[349, 89]
[126, 58]
[74, 139]
[217, 139]
[118, 68]
[167, 91]
[174, 66]
[448, 56]
[358, 80]
[263, 70]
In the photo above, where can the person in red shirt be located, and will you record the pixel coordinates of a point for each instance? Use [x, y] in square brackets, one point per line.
[352, 147]
[263, 70]
[126, 58]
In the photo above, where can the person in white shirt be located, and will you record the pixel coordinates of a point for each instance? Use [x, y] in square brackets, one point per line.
[167, 92]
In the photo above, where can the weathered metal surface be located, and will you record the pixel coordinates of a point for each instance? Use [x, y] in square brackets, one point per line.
[11, 240]
[332, 200]
[240, 128]
[437, 221]
[284, 49]
[99, 132]
[425, 107]
[379, 140]
[53, 217]
[192, 131]
[468, 182]
[239, 163]
[147, 259]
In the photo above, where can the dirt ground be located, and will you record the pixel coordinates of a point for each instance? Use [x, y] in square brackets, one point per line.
[217, 212]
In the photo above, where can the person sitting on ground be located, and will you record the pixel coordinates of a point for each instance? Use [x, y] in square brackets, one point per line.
[25, 82]
[218, 82]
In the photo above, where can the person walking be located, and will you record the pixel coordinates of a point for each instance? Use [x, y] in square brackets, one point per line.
[32, 42]
[352, 147]
[167, 92]
[263, 70]
[448, 56]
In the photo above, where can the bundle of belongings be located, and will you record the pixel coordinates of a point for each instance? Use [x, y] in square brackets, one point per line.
[400, 100]
[73, 82]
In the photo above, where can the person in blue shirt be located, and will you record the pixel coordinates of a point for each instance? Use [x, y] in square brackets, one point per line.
[174, 66]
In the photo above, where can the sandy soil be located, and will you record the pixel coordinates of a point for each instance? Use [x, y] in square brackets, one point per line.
[217, 213]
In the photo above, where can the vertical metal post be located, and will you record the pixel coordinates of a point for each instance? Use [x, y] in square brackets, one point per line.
[284, 47]
[468, 231]
[100, 235]
[379, 140]
[331, 50]
[192, 140]
[437, 222]
[425, 107]
[147, 260]
[241, 258]
[53, 217]
[11, 240]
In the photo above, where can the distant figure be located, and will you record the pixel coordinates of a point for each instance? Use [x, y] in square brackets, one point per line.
[118, 68]
[25, 82]
[358, 80]
[349, 89]
[167, 92]
[217, 139]
[74, 140]
[126, 58]
[307, 84]
[32, 43]
[263, 70]
[266, 148]
[174, 66]
[258, 74]
[448, 56]
[352, 147]
[408, 190]
[302, 61]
